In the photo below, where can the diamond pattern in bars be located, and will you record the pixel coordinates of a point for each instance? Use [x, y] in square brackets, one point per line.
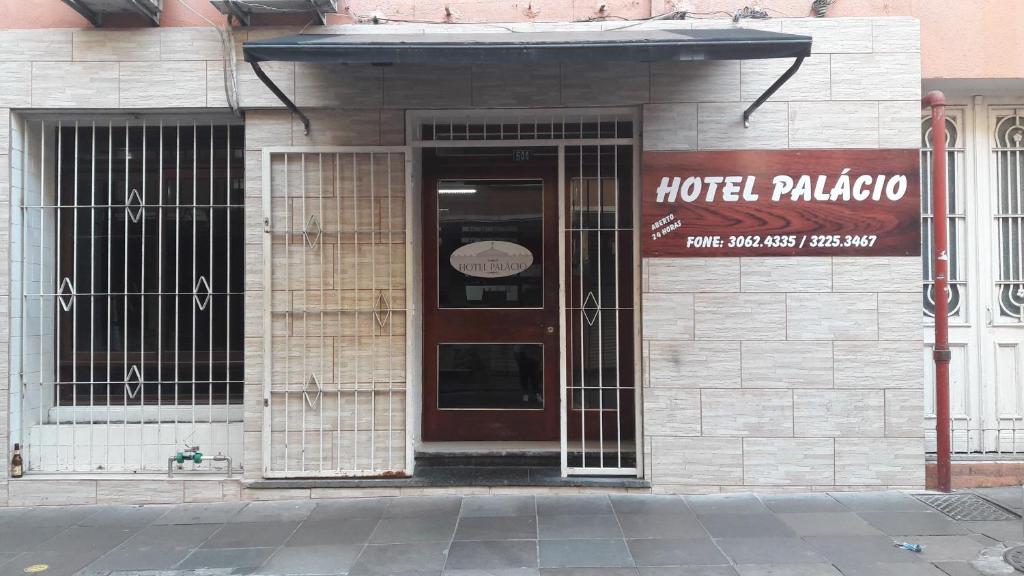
[66, 294]
[202, 292]
[133, 377]
[591, 310]
[312, 232]
[382, 310]
[134, 206]
[311, 391]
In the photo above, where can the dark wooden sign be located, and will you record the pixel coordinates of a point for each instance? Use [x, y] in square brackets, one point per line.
[781, 203]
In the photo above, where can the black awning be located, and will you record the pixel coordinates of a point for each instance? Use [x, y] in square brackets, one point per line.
[495, 48]
[531, 47]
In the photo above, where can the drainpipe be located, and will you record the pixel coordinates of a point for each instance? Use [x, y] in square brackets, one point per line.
[937, 102]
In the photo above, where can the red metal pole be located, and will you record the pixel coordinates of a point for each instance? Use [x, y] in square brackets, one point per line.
[941, 353]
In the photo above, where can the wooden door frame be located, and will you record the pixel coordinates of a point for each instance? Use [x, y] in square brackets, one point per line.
[414, 119]
[542, 424]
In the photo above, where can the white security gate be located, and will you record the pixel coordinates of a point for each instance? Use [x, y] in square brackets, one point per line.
[335, 312]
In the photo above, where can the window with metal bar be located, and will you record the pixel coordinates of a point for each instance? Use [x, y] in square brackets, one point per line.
[1008, 156]
[133, 281]
[956, 216]
[151, 305]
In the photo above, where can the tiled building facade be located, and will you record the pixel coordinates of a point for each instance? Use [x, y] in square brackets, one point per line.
[795, 373]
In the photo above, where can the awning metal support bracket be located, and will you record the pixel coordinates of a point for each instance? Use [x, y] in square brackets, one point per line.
[771, 90]
[241, 15]
[153, 16]
[85, 12]
[280, 95]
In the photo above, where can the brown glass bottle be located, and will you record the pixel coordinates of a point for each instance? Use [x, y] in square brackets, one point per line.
[16, 467]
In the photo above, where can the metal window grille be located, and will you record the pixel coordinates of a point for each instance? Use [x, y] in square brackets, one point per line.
[131, 281]
[957, 215]
[337, 311]
[1009, 213]
[450, 127]
[601, 393]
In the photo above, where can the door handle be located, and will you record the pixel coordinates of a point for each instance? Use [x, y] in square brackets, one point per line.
[550, 329]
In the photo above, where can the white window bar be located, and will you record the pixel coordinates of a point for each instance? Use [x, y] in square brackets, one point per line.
[957, 216]
[1009, 214]
[600, 415]
[337, 313]
[99, 393]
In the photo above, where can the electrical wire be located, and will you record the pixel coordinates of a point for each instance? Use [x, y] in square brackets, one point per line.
[228, 61]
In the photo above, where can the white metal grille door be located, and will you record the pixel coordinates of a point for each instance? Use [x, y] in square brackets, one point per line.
[131, 281]
[337, 275]
[601, 404]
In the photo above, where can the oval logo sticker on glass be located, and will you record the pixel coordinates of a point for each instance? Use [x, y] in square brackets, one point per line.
[491, 259]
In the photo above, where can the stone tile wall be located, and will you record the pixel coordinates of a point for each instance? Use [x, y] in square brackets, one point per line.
[808, 369]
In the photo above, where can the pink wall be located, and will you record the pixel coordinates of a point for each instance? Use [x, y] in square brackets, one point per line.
[959, 38]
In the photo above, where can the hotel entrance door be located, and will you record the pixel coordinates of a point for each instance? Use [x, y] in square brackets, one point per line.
[490, 294]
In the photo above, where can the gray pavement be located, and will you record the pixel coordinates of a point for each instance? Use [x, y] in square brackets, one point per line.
[820, 534]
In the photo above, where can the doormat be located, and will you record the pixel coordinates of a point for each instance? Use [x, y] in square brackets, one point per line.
[967, 507]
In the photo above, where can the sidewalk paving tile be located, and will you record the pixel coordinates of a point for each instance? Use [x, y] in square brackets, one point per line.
[588, 572]
[251, 535]
[497, 528]
[662, 526]
[672, 552]
[208, 513]
[494, 572]
[828, 523]
[17, 539]
[745, 526]
[60, 562]
[649, 504]
[573, 504]
[687, 571]
[913, 523]
[768, 550]
[386, 559]
[86, 539]
[890, 569]
[420, 529]
[787, 570]
[1011, 497]
[282, 511]
[949, 548]
[423, 507]
[331, 559]
[226, 558]
[127, 515]
[958, 568]
[348, 508]
[742, 503]
[880, 502]
[584, 554]
[57, 515]
[802, 503]
[574, 526]
[1001, 530]
[185, 536]
[491, 554]
[341, 532]
[859, 549]
[477, 506]
[139, 559]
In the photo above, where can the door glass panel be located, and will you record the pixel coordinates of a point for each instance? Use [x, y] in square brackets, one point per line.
[490, 243]
[489, 376]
